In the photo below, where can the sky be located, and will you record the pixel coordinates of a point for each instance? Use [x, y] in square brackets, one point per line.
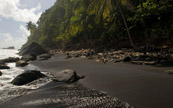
[14, 15]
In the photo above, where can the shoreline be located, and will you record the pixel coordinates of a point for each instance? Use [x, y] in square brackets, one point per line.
[136, 84]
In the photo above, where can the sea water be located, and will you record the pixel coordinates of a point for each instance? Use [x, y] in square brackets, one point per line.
[7, 89]
[8, 74]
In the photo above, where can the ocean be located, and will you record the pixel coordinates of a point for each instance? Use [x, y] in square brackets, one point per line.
[9, 91]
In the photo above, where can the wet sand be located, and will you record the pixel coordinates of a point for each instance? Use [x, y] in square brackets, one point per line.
[140, 86]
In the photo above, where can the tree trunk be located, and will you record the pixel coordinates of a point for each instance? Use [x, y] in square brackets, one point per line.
[128, 32]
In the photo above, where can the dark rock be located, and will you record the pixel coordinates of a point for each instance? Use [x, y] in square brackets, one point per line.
[29, 57]
[0, 73]
[9, 60]
[126, 59]
[3, 66]
[27, 77]
[68, 57]
[77, 55]
[32, 48]
[137, 62]
[21, 63]
[116, 61]
[144, 58]
[11, 47]
[81, 77]
[67, 76]
[44, 57]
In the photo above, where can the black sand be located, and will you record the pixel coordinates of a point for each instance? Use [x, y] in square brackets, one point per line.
[140, 86]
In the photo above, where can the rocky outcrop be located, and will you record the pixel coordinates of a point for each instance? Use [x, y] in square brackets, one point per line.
[27, 77]
[21, 63]
[67, 76]
[32, 48]
[3, 66]
[9, 60]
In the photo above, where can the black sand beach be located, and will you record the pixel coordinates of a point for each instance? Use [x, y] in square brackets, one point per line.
[140, 86]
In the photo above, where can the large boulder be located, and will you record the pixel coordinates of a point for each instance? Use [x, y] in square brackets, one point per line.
[67, 76]
[9, 60]
[21, 63]
[27, 77]
[3, 66]
[32, 48]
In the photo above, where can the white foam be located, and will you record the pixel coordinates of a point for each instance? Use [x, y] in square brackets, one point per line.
[6, 88]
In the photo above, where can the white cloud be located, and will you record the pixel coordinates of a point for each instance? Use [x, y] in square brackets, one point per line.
[7, 39]
[11, 9]
[25, 32]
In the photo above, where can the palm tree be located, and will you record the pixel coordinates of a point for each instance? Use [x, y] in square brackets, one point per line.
[31, 26]
[115, 5]
[118, 3]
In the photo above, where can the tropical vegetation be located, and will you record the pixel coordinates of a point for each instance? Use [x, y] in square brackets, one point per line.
[76, 24]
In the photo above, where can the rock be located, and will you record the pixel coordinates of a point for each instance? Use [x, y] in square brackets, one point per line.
[77, 55]
[144, 58]
[126, 59]
[100, 54]
[116, 61]
[21, 63]
[44, 57]
[81, 77]
[97, 60]
[137, 62]
[29, 57]
[27, 77]
[32, 48]
[169, 71]
[11, 47]
[67, 76]
[150, 62]
[3, 66]
[9, 60]
[68, 57]
[0, 73]
[144, 62]
[83, 56]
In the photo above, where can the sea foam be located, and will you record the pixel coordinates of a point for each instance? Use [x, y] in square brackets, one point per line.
[9, 91]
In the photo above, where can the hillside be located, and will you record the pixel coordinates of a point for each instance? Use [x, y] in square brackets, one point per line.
[76, 24]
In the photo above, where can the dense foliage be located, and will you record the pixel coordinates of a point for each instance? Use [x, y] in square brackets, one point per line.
[104, 23]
